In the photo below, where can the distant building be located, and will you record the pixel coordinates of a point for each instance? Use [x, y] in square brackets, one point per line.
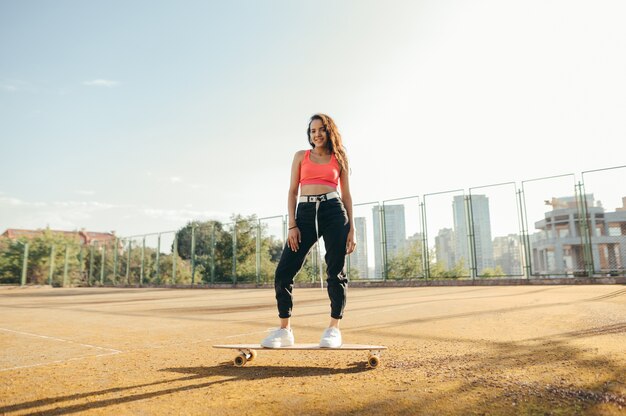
[358, 259]
[482, 232]
[444, 248]
[395, 234]
[557, 248]
[82, 237]
[507, 254]
[415, 237]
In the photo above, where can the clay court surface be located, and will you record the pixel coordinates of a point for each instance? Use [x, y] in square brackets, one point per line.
[452, 350]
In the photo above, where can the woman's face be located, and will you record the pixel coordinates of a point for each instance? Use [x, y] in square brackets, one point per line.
[318, 135]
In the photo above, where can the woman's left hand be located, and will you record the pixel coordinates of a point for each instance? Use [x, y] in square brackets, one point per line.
[351, 242]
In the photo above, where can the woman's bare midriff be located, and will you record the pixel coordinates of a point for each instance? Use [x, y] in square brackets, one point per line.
[316, 189]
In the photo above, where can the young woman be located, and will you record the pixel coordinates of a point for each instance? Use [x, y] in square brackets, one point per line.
[321, 212]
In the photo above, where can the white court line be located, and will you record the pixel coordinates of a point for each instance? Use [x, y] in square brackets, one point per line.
[58, 361]
[200, 341]
[111, 350]
[310, 325]
[58, 339]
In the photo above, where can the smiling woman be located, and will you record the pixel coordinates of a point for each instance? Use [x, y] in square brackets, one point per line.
[321, 212]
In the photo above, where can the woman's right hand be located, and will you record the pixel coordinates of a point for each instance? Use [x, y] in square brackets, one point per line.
[294, 239]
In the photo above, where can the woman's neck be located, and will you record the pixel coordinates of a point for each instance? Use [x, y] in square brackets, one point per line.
[317, 151]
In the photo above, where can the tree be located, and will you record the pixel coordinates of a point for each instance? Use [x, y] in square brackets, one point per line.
[217, 246]
[211, 241]
[438, 270]
[11, 260]
[183, 270]
[492, 272]
[271, 250]
[407, 263]
[45, 250]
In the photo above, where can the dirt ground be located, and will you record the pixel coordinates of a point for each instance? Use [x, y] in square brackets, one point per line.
[521, 350]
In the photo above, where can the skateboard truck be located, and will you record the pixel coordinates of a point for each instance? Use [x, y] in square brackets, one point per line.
[245, 356]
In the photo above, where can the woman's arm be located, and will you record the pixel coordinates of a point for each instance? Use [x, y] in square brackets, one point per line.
[293, 239]
[346, 197]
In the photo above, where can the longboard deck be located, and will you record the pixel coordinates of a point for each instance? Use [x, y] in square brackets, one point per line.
[302, 347]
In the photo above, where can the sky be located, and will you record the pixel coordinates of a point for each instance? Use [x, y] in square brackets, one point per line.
[138, 116]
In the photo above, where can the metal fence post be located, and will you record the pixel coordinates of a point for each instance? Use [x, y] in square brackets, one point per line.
[469, 221]
[89, 276]
[524, 231]
[51, 272]
[157, 274]
[24, 264]
[258, 252]
[102, 260]
[174, 257]
[213, 236]
[425, 253]
[65, 266]
[585, 231]
[193, 254]
[115, 248]
[130, 248]
[143, 251]
[234, 271]
[81, 262]
[383, 240]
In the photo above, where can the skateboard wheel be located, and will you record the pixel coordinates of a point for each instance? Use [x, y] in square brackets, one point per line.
[240, 360]
[252, 355]
[373, 361]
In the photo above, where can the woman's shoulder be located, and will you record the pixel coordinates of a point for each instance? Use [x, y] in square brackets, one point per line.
[300, 154]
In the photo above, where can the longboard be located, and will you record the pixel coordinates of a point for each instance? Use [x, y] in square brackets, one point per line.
[247, 352]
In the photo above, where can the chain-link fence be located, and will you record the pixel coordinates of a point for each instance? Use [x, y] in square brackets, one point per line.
[544, 227]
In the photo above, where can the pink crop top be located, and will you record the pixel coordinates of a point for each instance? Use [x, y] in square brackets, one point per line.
[319, 174]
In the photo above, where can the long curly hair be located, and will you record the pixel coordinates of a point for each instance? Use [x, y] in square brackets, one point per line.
[334, 143]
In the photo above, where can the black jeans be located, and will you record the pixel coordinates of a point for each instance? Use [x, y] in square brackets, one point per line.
[333, 227]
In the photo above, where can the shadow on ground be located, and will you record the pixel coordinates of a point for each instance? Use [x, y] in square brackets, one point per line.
[225, 373]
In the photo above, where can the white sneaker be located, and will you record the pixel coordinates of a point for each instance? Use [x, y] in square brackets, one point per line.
[281, 337]
[331, 338]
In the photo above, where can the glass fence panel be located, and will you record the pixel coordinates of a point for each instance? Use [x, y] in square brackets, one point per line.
[550, 215]
[222, 258]
[244, 249]
[150, 248]
[130, 261]
[163, 259]
[360, 265]
[605, 197]
[447, 234]
[71, 265]
[270, 247]
[193, 253]
[495, 229]
[104, 253]
[402, 250]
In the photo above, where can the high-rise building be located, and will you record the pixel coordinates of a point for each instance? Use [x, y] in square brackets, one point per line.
[395, 234]
[358, 258]
[482, 232]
